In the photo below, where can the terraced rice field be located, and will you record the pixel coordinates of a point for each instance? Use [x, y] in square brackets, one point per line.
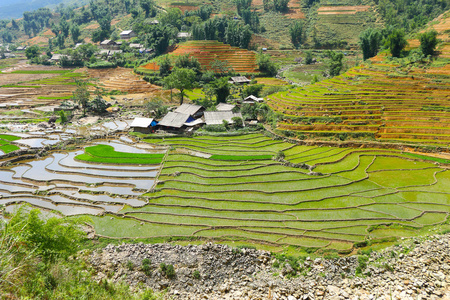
[65, 182]
[373, 101]
[229, 188]
[242, 61]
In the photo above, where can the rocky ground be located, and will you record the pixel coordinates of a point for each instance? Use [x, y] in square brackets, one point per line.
[415, 269]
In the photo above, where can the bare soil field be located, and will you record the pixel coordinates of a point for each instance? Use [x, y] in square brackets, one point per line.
[341, 10]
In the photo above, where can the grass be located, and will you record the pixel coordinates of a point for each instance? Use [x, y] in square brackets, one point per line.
[9, 137]
[240, 157]
[55, 97]
[237, 196]
[9, 148]
[20, 86]
[40, 71]
[107, 154]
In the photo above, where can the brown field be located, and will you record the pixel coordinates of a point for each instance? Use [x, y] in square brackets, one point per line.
[185, 8]
[342, 10]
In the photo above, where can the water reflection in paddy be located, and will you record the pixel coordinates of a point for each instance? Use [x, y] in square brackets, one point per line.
[38, 173]
[77, 187]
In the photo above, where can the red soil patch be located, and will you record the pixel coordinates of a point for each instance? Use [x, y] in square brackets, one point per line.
[342, 10]
[151, 66]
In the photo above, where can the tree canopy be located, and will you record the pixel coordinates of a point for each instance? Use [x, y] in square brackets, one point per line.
[428, 42]
[181, 79]
[370, 42]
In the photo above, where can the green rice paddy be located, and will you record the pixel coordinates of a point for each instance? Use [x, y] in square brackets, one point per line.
[106, 154]
[359, 196]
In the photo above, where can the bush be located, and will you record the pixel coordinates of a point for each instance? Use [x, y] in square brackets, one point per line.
[167, 270]
[196, 274]
[101, 64]
[428, 42]
[215, 128]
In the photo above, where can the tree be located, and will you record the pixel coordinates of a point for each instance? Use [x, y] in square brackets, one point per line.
[149, 7]
[296, 33]
[157, 107]
[308, 57]
[428, 42]
[14, 24]
[335, 63]
[221, 88]
[32, 52]
[396, 42]
[370, 42]
[266, 65]
[181, 79]
[64, 27]
[281, 5]
[81, 94]
[75, 32]
[165, 66]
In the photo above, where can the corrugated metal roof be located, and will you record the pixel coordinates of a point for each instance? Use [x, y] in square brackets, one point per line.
[240, 79]
[254, 98]
[188, 109]
[174, 119]
[217, 117]
[225, 107]
[141, 122]
[126, 32]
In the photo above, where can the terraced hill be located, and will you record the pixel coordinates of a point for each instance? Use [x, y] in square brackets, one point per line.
[229, 188]
[378, 100]
[242, 61]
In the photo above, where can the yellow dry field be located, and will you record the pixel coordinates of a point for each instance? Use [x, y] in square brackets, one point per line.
[342, 10]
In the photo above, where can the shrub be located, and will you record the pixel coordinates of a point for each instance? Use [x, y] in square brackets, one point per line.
[167, 270]
[146, 266]
[196, 274]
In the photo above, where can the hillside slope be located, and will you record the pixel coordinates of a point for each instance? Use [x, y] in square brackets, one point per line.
[242, 61]
[384, 99]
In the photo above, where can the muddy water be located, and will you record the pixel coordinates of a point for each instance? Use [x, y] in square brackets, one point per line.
[59, 182]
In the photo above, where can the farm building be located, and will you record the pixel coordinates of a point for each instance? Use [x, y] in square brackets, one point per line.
[57, 57]
[225, 107]
[217, 117]
[239, 80]
[110, 45]
[196, 111]
[127, 34]
[77, 45]
[8, 55]
[183, 35]
[154, 22]
[175, 121]
[143, 125]
[108, 53]
[21, 48]
[252, 100]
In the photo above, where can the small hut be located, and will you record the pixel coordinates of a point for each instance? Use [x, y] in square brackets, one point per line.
[143, 125]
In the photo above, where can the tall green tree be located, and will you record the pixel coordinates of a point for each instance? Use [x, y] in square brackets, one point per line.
[182, 79]
[32, 52]
[149, 7]
[75, 32]
[396, 42]
[428, 42]
[370, 42]
[221, 88]
[296, 33]
[335, 62]
[266, 65]
[81, 94]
